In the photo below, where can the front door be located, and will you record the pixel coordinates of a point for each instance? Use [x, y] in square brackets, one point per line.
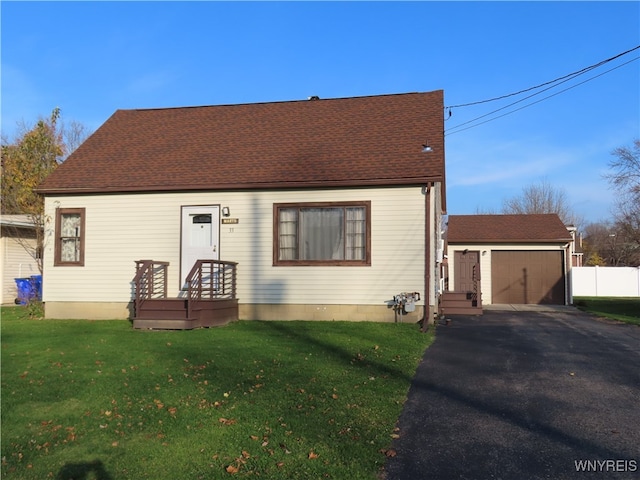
[200, 237]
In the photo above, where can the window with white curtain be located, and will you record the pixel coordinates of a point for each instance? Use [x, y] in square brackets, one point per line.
[69, 247]
[322, 234]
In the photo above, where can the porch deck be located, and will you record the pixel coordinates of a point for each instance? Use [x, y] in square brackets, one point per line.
[209, 301]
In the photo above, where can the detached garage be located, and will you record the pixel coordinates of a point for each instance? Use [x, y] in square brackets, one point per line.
[514, 259]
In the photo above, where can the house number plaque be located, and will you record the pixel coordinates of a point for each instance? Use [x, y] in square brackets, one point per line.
[226, 221]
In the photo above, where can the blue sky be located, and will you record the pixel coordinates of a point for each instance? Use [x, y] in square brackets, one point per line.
[92, 58]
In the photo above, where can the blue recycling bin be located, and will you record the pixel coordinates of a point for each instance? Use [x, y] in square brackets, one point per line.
[36, 282]
[26, 291]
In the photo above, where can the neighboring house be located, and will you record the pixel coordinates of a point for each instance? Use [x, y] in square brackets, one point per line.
[19, 249]
[577, 253]
[330, 207]
[509, 259]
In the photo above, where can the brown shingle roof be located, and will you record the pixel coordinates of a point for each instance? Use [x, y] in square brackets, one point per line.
[537, 228]
[359, 141]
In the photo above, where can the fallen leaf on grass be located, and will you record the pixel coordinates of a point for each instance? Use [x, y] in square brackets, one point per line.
[284, 447]
[312, 455]
[232, 469]
[226, 421]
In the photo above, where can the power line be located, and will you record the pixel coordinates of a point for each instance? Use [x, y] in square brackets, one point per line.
[532, 103]
[568, 76]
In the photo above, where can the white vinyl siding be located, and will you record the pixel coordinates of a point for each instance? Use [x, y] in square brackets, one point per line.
[123, 228]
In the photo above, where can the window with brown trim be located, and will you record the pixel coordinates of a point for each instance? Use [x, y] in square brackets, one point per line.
[328, 233]
[69, 246]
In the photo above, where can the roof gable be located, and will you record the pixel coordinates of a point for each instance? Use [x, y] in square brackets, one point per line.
[534, 228]
[359, 141]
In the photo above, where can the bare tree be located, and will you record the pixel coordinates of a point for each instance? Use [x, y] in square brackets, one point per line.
[542, 198]
[73, 135]
[609, 244]
[625, 179]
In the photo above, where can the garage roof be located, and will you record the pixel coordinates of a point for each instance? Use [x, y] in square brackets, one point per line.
[534, 228]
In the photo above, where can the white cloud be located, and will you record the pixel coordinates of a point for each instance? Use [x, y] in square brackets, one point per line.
[503, 162]
[482, 173]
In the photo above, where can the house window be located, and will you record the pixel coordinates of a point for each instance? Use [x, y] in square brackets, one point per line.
[69, 247]
[322, 233]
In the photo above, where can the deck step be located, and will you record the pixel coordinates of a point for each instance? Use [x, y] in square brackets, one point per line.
[163, 309]
[460, 303]
[163, 324]
[171, 314]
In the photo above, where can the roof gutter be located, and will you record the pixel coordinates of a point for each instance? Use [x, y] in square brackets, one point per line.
[384, 182]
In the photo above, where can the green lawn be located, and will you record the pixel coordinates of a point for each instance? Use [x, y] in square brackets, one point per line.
[625, 309]
[99, 400]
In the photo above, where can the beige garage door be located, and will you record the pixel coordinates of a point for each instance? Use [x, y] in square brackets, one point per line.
[521, 277]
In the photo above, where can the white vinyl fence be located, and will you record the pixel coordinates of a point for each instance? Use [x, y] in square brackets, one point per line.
[605, 281]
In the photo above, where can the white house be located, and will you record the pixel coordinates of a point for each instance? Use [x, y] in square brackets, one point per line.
[329, 208]
[18, 244]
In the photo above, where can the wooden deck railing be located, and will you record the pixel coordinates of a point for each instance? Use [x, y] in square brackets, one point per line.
[150, 281]
[207, 280]
[212, 280]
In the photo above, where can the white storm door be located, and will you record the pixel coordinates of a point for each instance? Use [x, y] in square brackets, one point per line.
[200, 237]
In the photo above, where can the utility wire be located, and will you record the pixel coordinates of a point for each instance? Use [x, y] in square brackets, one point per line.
[532, 103]
[514, 103]
[574, 74]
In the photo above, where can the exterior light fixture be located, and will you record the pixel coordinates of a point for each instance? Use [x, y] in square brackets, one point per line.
[426, 148]
[225, 211]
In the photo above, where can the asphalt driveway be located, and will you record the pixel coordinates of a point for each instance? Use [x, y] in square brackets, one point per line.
[523, 395]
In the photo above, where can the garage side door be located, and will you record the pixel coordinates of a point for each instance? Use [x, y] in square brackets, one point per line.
[522, 277]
